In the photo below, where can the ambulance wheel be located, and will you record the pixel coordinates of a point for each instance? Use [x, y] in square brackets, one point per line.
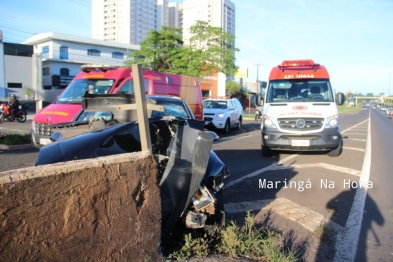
[337, 151]
[266, 151]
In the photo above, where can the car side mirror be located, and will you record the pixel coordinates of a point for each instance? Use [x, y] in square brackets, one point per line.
[340, 99]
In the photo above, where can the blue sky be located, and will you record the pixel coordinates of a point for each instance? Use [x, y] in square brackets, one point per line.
[352, 38]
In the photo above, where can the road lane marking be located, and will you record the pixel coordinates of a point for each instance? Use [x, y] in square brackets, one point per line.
[357, 134]
[347, 240]
[353, 148]
[356, 139]
[274, 166]
[330, 167]
[355, 126]
[307, 218]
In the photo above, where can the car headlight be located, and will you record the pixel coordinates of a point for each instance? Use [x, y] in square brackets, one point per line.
[332, 121]
[269, 122]
[220, 115]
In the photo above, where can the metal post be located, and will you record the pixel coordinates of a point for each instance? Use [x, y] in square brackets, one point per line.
[389, 89]
[258, 91]
[140, 99]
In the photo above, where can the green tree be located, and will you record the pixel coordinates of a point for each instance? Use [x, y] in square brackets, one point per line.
[216, 48]
[210, 50]
[160, 51]
[233, 88]
[369, 94]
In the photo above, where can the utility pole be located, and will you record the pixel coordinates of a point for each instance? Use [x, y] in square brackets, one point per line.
[389, 89]
[258, 91]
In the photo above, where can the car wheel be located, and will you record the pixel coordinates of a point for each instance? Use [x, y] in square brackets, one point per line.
[337, 151]
[240, 124]
[227, 127]
[266, 151]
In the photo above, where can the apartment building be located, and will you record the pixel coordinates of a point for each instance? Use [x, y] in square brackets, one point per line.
[175, 15]
[217, 13]
[127, 21]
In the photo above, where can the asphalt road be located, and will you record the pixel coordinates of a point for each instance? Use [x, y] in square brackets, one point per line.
[313, 188]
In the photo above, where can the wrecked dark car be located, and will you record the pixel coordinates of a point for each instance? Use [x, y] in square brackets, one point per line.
[192, 176]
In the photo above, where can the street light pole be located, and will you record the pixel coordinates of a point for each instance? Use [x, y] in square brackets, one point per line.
[389, 88]
[258, 91]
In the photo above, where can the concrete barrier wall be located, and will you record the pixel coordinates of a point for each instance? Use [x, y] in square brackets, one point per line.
[106, 209]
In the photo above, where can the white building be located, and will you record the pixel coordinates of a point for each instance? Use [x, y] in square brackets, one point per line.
[217, 13]
[127, 21]
[57, 59]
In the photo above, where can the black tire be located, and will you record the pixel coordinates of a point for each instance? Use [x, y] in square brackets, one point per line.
[10, 118]
[240, 124]
[1, 118]
[266, 151]
[227, 127]
[21, 118]
[337, 151]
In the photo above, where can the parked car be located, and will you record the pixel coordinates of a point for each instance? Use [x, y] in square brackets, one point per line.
[222, 114]
[198, 201]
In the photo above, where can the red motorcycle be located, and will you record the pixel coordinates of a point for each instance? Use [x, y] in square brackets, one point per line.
[19, 114]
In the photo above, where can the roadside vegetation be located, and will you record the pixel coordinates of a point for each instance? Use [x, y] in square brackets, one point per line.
[344, 109]
[235, 241]
[14, 139]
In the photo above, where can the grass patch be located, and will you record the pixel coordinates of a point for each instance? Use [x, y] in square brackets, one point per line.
[14, 139]
[235, 241]
[347, 109]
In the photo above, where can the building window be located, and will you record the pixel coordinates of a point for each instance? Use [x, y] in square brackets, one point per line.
[64, 71]
[14, 85]
[63, 52]
[93, 52]
[45, 71]
[45, 51]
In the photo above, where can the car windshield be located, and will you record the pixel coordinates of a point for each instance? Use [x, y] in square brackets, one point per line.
[222, 104]
[76, 89]
[315, 90]
[172, 107]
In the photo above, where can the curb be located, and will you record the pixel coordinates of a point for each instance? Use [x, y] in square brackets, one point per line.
[15, 147]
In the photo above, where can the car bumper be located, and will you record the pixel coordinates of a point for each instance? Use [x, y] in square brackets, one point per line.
[215, 123]
[327, 139]
[39, 140]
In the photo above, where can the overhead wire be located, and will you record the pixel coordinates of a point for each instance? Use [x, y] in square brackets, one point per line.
[10, 23]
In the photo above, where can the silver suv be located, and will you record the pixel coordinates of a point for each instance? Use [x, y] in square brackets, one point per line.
[222, 114]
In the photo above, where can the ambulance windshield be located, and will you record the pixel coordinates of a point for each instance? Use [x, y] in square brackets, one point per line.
[76, 89]
[313, 90]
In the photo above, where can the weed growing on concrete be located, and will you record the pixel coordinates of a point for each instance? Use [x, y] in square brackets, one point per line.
[233, 241]
[249, 241]
[322, 232]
